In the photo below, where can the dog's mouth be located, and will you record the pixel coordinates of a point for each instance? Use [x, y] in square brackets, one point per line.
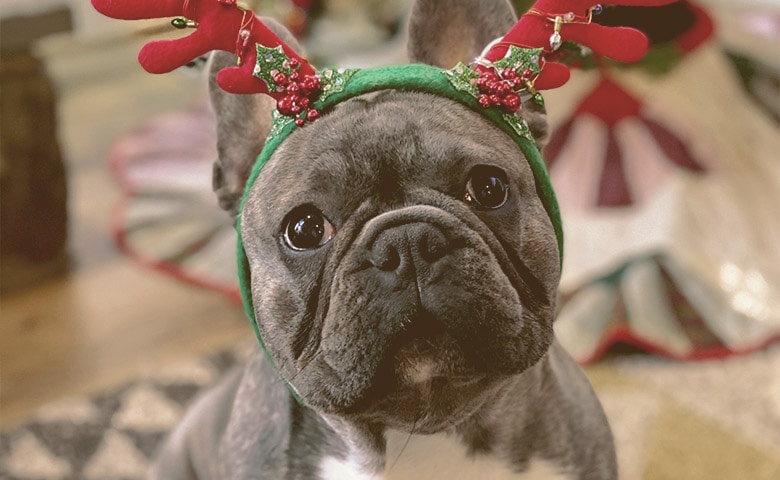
[426, 383]
[425, 348]
[428, 373]
[428, 360]
[423, 365]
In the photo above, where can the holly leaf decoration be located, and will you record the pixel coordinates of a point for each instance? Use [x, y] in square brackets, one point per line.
[520, 59]
[463, 77]
[269, 62]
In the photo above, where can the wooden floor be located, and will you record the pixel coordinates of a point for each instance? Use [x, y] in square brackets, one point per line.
[109, 319]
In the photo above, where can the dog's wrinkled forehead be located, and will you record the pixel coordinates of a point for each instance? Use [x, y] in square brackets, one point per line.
[383, 145]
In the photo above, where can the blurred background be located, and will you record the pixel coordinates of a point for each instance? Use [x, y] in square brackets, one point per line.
[117, 294]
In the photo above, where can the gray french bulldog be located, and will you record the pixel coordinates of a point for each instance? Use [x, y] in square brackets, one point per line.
[404, 272]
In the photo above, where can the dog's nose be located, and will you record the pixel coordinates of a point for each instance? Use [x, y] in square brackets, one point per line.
[407, 245]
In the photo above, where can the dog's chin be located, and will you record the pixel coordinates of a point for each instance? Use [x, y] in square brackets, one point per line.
[426, 386]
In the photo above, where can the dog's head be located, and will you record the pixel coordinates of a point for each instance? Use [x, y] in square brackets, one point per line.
[401, 261]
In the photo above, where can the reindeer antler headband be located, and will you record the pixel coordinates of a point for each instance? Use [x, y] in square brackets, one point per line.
[513, 65]
[521, 62]
[263, 58]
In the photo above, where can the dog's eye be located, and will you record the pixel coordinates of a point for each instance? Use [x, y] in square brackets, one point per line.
[307, 228]
[487, 187]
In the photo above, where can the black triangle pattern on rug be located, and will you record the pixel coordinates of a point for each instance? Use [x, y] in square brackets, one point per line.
[77, 442]
[180, 393]
[146, 443]
[111, 436]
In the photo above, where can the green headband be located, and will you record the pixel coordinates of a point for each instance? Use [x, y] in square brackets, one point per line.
[456, 84]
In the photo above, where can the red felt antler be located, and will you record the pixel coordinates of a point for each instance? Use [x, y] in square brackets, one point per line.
[221, 25]
[224, 25]
[573, 17]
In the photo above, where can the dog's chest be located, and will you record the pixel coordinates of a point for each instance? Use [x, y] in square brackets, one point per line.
[435, 457]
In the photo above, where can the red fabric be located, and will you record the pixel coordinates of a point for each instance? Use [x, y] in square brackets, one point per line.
[218, 27]
[609, 103]
[533, 30]
[613, 190]
[700, 32]
[674, 148]
[219, 22]
[557, 141]
[624, 335]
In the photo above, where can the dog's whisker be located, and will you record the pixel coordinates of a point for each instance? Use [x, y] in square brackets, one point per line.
[408, 439]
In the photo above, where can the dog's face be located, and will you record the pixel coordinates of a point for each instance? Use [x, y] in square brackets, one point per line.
[402, 263]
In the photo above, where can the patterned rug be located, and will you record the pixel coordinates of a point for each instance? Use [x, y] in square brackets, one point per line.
[671, 420]
[113, 435]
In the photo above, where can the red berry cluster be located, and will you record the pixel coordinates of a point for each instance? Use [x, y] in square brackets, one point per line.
[300, 92]
[500, 88]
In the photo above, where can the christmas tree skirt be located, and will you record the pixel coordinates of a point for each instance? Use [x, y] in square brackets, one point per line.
[169, 219]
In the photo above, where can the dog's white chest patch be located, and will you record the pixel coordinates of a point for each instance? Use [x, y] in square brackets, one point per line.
[436, 457]
[333, 468]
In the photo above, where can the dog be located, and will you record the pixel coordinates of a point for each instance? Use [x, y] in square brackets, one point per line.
[404, 275]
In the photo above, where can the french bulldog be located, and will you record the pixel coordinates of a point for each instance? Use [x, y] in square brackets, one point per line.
[404, 275]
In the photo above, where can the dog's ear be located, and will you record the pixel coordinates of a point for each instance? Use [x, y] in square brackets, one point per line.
[445, 32]
[243, 124]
